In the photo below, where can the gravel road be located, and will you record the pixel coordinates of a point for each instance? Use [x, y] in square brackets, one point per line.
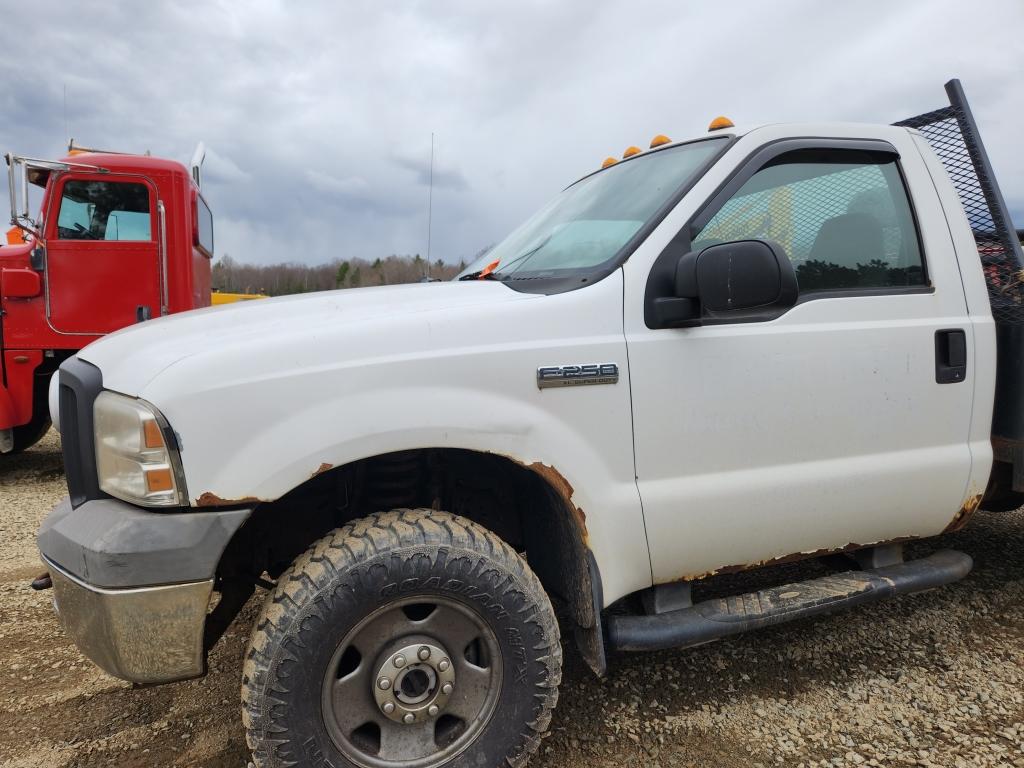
[935, 679]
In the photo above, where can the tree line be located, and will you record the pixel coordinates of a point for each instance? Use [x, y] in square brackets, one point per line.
[231, 276]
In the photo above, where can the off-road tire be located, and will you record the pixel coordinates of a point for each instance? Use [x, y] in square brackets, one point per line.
[354, 571]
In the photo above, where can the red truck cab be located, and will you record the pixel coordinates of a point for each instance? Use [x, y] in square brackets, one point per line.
[119, 239]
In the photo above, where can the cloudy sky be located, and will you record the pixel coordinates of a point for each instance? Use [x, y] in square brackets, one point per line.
[318, 115]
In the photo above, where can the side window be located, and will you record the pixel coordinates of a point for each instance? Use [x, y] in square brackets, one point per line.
[842, 216]
[104, 210]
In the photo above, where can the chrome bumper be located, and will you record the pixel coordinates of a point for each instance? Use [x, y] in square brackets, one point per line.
[143, 635]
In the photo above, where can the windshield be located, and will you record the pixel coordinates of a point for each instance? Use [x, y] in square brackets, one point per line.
[577, 236]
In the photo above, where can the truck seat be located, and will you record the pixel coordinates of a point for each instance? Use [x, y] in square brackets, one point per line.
[848, 240]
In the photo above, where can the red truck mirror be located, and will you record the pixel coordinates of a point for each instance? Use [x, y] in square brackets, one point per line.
[20, 283]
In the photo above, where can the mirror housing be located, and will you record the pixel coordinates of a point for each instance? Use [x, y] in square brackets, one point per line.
[20, 283]
[741, 281]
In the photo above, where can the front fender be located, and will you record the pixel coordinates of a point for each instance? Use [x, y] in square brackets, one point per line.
[7, 412]
[462, 381]
[16, 399]
[397, 419]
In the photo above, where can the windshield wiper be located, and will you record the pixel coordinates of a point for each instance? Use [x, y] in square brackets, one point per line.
[480, 274]
[490, 272]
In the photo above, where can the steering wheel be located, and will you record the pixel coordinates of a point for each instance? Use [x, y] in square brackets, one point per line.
[86, 234]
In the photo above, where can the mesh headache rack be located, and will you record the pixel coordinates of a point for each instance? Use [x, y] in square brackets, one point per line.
[954, 136]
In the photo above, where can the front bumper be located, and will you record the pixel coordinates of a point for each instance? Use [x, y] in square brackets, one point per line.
[132, 587]
[144, 635]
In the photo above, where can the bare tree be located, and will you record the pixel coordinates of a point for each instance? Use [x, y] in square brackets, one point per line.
[232, 276]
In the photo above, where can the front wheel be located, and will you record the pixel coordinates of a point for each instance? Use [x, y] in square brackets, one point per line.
[29, 434]
[409, 638]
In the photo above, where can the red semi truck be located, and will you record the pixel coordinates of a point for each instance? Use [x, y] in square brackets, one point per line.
[118, 239]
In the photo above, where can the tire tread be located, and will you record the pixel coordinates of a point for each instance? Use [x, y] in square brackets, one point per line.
[315, 571]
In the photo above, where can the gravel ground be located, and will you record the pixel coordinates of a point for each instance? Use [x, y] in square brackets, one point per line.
[935, 679]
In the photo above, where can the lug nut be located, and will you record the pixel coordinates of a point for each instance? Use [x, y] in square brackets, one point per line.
[409, 718]
[447, 688]
[433, 710]
[399, 661]
[383, 683]
[424, 653]
[388, 707]
[443, 665]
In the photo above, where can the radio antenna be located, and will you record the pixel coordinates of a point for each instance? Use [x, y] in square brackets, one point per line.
[430, 200]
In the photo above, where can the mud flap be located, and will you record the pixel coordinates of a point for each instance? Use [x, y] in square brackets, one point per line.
[590, 640]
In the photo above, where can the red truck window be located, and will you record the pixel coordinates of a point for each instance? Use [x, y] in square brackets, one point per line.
[104, 210]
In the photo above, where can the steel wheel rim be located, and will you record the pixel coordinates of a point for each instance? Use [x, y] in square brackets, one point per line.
[406, 643]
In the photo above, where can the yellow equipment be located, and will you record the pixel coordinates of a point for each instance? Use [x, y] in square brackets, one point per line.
[230, 298]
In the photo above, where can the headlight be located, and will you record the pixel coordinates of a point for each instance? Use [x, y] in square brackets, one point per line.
[133, 460]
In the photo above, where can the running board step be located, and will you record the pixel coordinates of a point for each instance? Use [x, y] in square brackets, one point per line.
[725, 616]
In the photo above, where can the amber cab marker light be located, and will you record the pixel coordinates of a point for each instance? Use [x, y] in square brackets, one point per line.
[721, 122]
[630, 151]
[609, 161]
[660, 139]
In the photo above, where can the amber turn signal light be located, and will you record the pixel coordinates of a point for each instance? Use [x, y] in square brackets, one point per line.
[151, 435]
[158, 480]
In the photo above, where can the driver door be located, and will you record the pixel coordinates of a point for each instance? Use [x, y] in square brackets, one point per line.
[102, 254]
[825, 426]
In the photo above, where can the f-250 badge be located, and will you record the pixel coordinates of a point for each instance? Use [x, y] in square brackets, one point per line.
[577, 375]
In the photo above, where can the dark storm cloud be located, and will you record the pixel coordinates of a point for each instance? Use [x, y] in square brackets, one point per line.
[318, 116]
[444, 178]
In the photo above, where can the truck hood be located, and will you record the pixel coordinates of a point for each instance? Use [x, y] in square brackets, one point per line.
[134, 356]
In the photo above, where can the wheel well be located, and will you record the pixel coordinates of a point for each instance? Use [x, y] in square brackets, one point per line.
[529, 506]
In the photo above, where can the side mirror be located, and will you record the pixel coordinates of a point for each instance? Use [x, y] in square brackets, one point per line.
[37, 258]
[746, 280]
[20, 283]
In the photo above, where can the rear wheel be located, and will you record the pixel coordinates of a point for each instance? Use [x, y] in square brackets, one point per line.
[1011, 502]
[999, 495]
[409, 638]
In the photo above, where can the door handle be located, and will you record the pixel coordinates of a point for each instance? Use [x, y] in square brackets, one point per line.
[950, 356]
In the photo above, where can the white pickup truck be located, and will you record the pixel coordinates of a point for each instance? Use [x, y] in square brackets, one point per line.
[719, 354]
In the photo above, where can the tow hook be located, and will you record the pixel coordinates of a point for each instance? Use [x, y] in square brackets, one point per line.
[39, 583]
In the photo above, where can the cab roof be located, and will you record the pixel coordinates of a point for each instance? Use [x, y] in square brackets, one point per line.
[112, 162]
[871, 130]
[118, 161]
